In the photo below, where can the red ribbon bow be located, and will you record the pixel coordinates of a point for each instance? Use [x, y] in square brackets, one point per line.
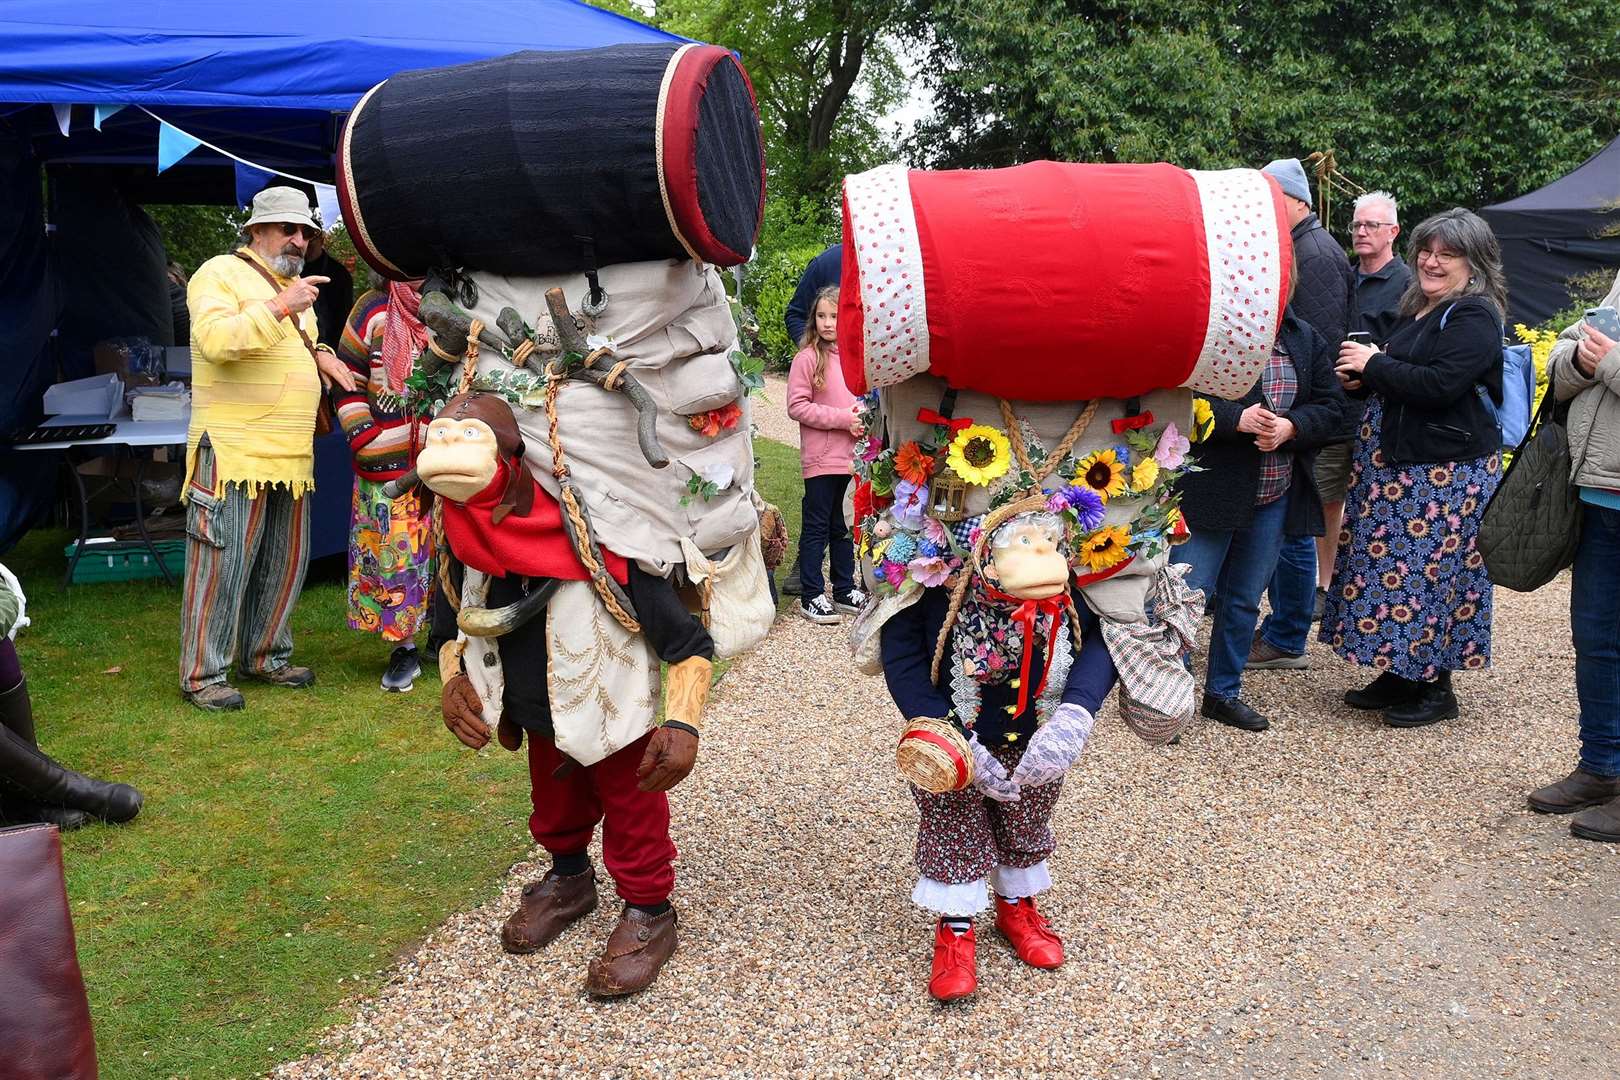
[1132, 423]
[929, 416]
[1025, 615]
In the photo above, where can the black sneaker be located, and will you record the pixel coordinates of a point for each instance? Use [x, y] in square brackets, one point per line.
[1321, 600]
[850, 603]
[818, 610]
[403, 668]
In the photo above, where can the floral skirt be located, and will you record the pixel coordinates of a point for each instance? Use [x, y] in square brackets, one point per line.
[1410, 594]
[390, 563]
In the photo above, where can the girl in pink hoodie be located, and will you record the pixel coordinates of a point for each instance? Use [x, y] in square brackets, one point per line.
[828, 427]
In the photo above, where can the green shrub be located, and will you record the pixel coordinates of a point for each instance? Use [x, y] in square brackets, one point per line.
[794, 232]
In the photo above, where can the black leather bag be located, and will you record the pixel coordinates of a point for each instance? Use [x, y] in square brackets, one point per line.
[1532, 524]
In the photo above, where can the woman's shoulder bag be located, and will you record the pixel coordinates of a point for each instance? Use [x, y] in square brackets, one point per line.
[1532, 524]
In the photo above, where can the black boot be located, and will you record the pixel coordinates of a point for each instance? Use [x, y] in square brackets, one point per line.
[22, 812]
[1435, 702]
[1388, 691]
[35, 778]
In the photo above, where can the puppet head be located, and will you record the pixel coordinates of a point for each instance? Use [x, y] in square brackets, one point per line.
[473, 435]
[1026, 557]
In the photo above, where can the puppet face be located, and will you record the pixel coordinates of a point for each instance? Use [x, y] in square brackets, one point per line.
[1027, 562]
[460, 457]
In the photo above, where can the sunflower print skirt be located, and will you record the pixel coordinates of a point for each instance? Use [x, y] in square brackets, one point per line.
[1410, 594]
[390, 563]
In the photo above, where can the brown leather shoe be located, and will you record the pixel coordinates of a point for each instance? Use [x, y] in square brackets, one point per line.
[634, 954]
[288, 675]
[548, 907]
[1598, 823]
[1576, 791]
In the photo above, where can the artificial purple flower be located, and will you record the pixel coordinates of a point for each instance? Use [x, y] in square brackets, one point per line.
[872, 449]
[910, 504]
[1087, 505]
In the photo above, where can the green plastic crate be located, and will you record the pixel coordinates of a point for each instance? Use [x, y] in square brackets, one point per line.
[127, 560]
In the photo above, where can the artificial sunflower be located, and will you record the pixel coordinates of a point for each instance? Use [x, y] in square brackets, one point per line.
[1102, 472]
[1203, 420]
[979, 454]
[914, 464]
[1106, 547]
[1145, 475]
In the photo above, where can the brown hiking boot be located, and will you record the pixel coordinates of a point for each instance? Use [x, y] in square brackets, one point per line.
[548, 907]
[1264, 656]
[286, 675]
[634, 954]
[1598, 823]
[1576, 791]
[218, 697]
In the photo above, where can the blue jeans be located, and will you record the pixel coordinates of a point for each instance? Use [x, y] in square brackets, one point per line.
[1234, 565]
[822, 529]
[1293, 596]
[1594, 618]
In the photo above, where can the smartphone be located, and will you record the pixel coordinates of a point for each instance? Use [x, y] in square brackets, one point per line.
[1605, 320]
[1360, 337]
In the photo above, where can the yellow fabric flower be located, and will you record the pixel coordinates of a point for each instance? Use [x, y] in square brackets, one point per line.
[1102, 472]
[1203, 420]
[979, 454]
[1106, 547]
[1145, 475]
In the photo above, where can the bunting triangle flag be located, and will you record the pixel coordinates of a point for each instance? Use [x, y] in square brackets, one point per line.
[326, 198]
[249, 182]
[173, 144]
[104, 111]
[64, 117]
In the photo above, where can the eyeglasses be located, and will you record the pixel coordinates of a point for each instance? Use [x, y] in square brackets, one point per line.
[1368, 226]
[1444, 258]
[288, 228]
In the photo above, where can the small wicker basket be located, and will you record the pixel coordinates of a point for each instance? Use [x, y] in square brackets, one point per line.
[933, 755]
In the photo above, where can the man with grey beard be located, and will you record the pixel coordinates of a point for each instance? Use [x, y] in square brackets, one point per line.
[256, 389]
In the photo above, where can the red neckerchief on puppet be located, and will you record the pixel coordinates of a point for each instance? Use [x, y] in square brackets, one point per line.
[995, 632]
[529, 541]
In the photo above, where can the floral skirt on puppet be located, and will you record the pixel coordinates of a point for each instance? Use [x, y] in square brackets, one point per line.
[390, 563]
[1410, 594]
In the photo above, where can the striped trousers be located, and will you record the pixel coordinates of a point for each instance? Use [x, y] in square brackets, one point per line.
[245, 563]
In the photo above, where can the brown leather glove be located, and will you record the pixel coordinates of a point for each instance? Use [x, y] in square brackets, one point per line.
[508, 734]
[670, 755]
[463, 712]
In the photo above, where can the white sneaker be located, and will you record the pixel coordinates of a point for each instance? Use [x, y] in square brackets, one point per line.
[850, 603]
[818, 610]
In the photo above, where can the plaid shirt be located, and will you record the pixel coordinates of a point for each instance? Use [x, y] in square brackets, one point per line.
[1279, 385]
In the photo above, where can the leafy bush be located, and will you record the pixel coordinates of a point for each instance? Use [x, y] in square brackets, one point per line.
[793, 233]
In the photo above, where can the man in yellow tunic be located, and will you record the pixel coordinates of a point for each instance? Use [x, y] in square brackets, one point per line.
[256, 388]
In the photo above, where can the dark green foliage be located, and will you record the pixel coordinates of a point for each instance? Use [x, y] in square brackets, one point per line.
[1442, 104]
[194, 234]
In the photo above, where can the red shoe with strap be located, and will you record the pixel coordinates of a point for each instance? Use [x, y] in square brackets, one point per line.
[956, 971]
[1021, 923]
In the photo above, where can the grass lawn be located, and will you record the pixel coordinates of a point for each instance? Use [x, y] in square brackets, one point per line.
[286, 854]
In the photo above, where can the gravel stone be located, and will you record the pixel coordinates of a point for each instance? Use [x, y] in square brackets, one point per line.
[1330, 897]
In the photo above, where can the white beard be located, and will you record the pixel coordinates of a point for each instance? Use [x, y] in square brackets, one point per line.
[287, 265]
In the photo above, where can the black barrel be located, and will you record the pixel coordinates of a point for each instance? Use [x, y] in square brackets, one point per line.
[554, 162]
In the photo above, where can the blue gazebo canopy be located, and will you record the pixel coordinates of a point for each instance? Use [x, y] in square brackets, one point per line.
[267, 82]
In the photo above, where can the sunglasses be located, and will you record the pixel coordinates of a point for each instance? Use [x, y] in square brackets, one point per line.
[288, 228]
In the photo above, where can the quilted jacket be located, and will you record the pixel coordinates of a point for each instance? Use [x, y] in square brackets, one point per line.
[1594, 414]
[1326, 282]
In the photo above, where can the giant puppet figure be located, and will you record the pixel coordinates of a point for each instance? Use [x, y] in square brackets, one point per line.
[1029, 341]
[589, 440]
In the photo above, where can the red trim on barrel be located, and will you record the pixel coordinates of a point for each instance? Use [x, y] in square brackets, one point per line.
[945, 745]
[1287, 250]
[680, 122]
[851, 315]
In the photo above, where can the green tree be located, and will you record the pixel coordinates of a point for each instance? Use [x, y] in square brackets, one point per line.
[1441, 106]
[194, 234]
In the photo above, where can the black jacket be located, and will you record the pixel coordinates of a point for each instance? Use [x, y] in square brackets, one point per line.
[1222, 495]
[1326, 282]
[1427, 376]
[1378, 297]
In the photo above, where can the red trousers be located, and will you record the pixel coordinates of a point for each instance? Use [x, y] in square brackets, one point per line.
[636, 846]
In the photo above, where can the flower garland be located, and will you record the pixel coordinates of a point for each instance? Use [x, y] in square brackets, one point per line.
[903, 490]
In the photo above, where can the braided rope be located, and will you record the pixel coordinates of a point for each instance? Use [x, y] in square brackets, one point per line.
[469, 366]
[522, 352]
[1072, 436]
[441, 354]
[442, 549]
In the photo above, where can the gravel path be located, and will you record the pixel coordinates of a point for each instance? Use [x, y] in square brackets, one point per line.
[1330, 897]
[770, 412]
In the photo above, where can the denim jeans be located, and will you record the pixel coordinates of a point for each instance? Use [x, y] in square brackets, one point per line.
[1594, 618]
[1293, 596]
[822, 529]
[1234, 565]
